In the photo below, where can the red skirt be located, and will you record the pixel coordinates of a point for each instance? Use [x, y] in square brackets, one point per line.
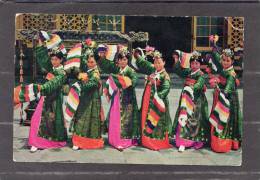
[87, 143]
[156, 144]
[222, 145]
[150, 143]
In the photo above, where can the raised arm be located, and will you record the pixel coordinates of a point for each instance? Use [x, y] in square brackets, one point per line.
[182, 72]
[144, 66]
[107, 66]
[216, 56]
[216, 60]
[43, 59]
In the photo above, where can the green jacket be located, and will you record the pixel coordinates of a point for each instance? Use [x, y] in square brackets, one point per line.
[162, 88]
[130, 123]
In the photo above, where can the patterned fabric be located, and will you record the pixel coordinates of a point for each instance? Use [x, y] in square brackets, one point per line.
[73, 57]
[184, 58]
[155, 112]
[86, 124]
[115, 119]
[72, 103]
[125, 81]
[157, 82]
[54, 41]
[228, 134]
[186, 106]
[43, 59]
[34, 138]
[220, 113]
[26, 93]
[111, 51]
[52, 126]
[191, 126]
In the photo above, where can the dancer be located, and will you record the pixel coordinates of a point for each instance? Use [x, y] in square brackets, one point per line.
[123, 117]
[155, 117]
[84, 99]
[190, 126]
[225, 116]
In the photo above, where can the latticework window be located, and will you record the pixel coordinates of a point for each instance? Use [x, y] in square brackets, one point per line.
[206, 26]
[108, 23]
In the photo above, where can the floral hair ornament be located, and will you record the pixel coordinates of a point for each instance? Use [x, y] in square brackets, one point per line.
[123, 51]
[195, 54]
[149, 50]
[89, 43]
[214, 38]
[157, 54]
[228, 53]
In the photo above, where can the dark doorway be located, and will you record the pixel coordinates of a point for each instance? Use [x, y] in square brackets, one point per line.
[165, 33]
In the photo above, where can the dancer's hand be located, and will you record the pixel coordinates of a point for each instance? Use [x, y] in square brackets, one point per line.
[136, 54]
[83, 77]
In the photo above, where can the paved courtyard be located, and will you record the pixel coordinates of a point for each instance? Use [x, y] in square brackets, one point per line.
[134, 155]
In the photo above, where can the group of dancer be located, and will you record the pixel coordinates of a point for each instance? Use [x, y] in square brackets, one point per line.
[127, 125]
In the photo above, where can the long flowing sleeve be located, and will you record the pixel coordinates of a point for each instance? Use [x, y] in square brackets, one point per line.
[108, 66]
[182, 72]
[165, 89]
[230, 86]
[133, 76]
[144, 66]
[52, 85]
[42, 58]
[216, 60]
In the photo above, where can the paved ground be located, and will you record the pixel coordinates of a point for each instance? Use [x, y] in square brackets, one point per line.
[134, 155]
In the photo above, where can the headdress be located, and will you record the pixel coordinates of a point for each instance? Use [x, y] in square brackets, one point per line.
[228, 53]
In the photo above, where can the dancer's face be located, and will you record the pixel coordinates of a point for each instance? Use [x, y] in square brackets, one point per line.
[91, 63]
[122, 62]
[226, 62]
[158, 63]
[55, 61]
[195, 65]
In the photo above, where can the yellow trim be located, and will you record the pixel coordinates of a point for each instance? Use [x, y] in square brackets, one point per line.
[89, 28]
[19, 21]
[202, 48]
[18, 24]
[229, 40]
[123, 24]
[58, 19]
[194, 32]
